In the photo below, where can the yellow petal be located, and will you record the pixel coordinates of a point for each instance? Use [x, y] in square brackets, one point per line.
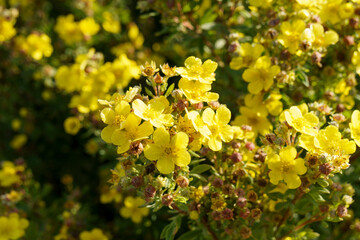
[223, 114]
[107, 115]
[165, 165]
[107, 132]
[208, 116]
[183, 158]
[161, 136]
[180, 140]
[153, 152]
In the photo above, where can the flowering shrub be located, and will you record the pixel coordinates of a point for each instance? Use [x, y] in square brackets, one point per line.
[179, 119]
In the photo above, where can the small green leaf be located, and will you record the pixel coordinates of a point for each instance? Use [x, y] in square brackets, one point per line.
[322, 182]
[191, 235]
[148, 92]
[201, 168]
[169, 90]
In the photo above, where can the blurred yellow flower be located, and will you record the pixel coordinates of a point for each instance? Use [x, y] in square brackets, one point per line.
[132, 209]
[12, 227]
[72, 125]
[94, 234]
[195, 70]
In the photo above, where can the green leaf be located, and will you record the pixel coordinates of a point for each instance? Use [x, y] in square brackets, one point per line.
[148, 92]
[198, 176]
[301, 76]
[197, 161]
[322, 182]
[171, 229]
[201, 168]
[316, 196]
[169, 90]
[194, 154]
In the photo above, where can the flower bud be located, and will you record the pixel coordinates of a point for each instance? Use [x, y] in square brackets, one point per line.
[149, 168]
[244, 213]
[340, 108]
[227, 214]
[214, 104]
[216, 215]
[241, 202]
[245, 232]
[349, 40]
[137, 181]
[252, 196]
[250, 146]
[256, 213]
[341, 211]
[182, 181]
[236, 157]
[198, 106]
[217, 182]
[326, 168]
[136, 148]
[167, 199]
[150, 191]
[316, 58]
[235, 144]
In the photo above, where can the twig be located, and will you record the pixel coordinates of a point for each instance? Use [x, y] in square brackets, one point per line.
[206, 224]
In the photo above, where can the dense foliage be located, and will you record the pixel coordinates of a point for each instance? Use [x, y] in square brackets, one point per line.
[201, 119]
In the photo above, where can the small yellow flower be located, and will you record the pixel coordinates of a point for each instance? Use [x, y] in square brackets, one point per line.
[156, 111]
[110, 24]
[195, 70]
[197, 92]
[91, 147]
[261, 75]
[306, 123]
[12, 227]
[286, 166]
[317, 36]
[95, 234]
[130, 132]
[72, 125]
[8, 174]
[16, 124]
[248, 55]
[168, 151]
[132, 209]
[7, 30]
[114, 119]
[220, 130]
[291, 34]
[255, 118]
[338, 150]
[88, 26]
[18, 141]
[68, 30]
[355, 127]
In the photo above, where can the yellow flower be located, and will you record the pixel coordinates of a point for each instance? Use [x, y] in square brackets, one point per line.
[68, 30]
[318, 37]
[91, 147]
[88, 26]
[16, 124]
[8, 174]
[124, 70]
[261, 75]
[286, 166]
[218, 125]
[12, 227]
[307, 142]
[196, 91]
[168, 151]
[110, 24]
[195, 70]
[273, 104]
[355, 127]
[37, 45]
[155, 111]
[132, 209]
[18, 141]
[114, 119]
[254, 118]
[7, 30]
[248, 55]
[72, 125]
[334, 11]
[131, 131]
[306, 123]
[190, 124]
[290, 36]
[337, 150]
[111, 194]
[95, 234]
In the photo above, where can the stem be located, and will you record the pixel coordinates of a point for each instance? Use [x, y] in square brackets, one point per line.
[206, 224]
[297, 228]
